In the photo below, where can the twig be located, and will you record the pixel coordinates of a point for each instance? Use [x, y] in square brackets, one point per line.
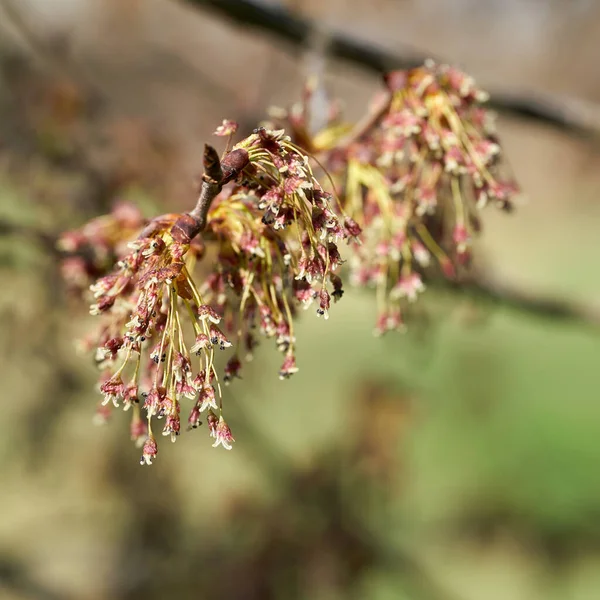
[217, 172]
[568, 114]
[211, 185]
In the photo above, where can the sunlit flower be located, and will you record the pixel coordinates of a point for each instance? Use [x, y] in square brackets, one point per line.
[221, 432]
[226, 128]
[411, 178]
[273, 234]
[149, 451]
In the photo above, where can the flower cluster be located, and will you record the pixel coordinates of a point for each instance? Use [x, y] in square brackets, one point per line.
[91, 251]
[278, 237]
[268, 243]
[413, 175]
[142, 351]
[405, 183]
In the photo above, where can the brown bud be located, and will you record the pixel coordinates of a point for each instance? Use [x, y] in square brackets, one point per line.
[233, 163]
[212, 165]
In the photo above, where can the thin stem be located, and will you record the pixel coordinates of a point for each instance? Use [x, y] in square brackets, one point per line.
[217, 172]
[211, 185]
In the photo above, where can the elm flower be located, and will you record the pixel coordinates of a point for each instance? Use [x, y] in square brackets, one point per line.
[164, 309]
[411, 178]
[226, 128]
[221, 432]
[149, 451]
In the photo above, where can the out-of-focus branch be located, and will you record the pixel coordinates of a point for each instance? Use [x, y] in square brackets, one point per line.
[534, 305]
[48, 56]
[569, 114]
[298, 31]
[283, 24]
[46, 240]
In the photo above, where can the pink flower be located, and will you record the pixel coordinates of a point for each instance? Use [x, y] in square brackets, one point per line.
[206, 312]
[352, 228]
[113, 390]
[232, 369]
[154, 400]
[102, 414]
[461, 238]
[288, 368]
[324, 303]
[172, 426]
[202, 343]
[218, 337]
[486, 150]
[454, 160]
[426, 201]
[207, 398]
[194, 418]
[408, 286]
[421, 254]
[150, 451]
[447, 268]
[303, 292]
[130, 396]
[138, 429]
[389, 321]
[226, 128]
[221, 433]
[404, 121]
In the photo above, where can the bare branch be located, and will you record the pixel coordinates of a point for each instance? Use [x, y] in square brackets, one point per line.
[45, 239]
[569, 114]
[534, 305]
[291, 28]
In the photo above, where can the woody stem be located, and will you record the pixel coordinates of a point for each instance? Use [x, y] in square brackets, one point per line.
[217, 172]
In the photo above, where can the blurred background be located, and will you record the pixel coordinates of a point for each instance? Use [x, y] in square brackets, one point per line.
[459, 461]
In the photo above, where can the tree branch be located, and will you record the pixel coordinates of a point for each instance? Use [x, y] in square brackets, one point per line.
[46, 240]
[541, 307]
[569, 114]
[211, 185]
[217, 172]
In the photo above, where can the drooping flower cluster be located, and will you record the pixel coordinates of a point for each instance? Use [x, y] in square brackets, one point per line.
[268, 243]
[413, 175]
[142, 349]
[278, 238]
